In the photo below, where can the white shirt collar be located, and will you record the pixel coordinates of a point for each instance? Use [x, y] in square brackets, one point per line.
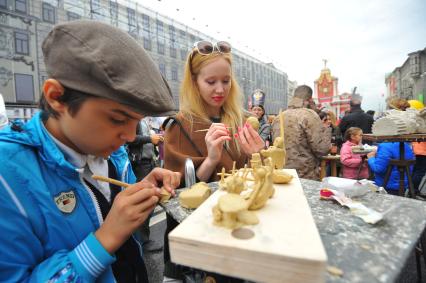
[97, 165]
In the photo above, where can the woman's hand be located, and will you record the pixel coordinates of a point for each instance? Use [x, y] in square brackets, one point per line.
[216, 136]
[249, 139]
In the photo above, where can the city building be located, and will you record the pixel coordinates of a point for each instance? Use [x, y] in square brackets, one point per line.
[25, 23]
[409, 80]
[326, 93]
[291, 86]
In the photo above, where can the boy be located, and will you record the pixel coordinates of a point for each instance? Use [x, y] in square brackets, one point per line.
[57, 223]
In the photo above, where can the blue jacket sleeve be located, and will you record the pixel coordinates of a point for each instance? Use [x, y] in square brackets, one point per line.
[26, 256]
[379, 164]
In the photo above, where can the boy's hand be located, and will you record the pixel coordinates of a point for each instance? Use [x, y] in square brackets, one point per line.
[163, 177]
[129, 210]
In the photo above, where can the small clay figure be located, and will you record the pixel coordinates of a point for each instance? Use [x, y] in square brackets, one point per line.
[276, 152]
[195, 196]
[254, 122]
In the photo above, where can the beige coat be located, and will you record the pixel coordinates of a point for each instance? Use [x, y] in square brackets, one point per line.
[306, 139]
[177, 147]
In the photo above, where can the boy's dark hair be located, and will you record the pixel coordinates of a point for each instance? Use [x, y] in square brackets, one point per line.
[349, 132]
[72, 98]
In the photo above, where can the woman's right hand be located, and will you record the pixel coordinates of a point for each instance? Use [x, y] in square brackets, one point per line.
[216, 136]
[129, 210]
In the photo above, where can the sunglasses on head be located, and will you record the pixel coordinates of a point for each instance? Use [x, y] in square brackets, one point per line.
[205, 47]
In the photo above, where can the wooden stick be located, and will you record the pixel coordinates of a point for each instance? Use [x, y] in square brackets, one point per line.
[205, 130]
[164, 192]
[110, 180]
[281, 124]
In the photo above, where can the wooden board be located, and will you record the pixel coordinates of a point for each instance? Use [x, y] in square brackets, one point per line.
[286, 246]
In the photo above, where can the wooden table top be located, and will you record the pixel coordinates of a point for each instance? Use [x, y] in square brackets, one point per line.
[398, 138]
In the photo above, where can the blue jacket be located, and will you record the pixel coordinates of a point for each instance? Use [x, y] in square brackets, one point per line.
[39, 242]
[379, 164]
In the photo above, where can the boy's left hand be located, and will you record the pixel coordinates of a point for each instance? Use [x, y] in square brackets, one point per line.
[249, 139]
[166, 178]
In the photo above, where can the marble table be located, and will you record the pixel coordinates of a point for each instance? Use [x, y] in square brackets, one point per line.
[364, 252]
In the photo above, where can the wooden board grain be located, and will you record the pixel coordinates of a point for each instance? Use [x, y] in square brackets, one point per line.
[286, 246]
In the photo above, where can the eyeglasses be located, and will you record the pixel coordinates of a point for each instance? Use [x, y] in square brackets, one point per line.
[205, 47]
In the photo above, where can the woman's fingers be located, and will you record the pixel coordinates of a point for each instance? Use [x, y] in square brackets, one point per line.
[249, 140]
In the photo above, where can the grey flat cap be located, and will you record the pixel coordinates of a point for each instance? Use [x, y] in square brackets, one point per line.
[101, 60]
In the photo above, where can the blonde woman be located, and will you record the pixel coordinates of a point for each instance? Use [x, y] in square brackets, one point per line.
[210, 127]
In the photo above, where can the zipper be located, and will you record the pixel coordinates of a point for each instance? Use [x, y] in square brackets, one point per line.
[94, 200]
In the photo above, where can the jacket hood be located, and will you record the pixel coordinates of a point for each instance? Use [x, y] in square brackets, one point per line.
[33, 134]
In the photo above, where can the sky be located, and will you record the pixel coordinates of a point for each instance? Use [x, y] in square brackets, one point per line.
[361, 39]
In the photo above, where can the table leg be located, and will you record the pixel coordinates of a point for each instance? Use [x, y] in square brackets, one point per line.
[323, 169]
[410, 182]
[387, 176]
[333, 164]
[401, 181]
[401, 170]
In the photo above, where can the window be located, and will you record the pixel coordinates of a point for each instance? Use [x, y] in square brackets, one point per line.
[73, 16]
[95, 6]
[49, 13]
[160, 48]
[21, 6]
[3, 4]
[147, 43]
[183, 54]
[113, 10]
[173, 52]
[24, 88]
[182, 38]
[131, 15]
[145, 23]
[22, 43]
[160, 29]
[172, 35]
[174, 73]
[162, 68]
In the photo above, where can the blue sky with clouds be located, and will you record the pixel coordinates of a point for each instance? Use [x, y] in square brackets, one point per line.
[361, 39]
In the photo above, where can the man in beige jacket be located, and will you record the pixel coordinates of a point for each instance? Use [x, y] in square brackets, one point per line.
[305, 137]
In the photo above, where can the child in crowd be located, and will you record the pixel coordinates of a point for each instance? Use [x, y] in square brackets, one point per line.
[353, 164]
[379, 162]
[58, 224]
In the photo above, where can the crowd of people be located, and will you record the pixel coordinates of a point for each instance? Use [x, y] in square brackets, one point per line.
[97, 117]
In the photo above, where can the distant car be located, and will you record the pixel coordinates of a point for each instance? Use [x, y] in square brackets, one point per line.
[3, 117]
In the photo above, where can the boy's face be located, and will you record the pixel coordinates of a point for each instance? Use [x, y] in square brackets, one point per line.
[99, 127]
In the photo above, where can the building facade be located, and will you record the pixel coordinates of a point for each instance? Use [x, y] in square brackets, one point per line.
[25, 23]
[409, 80]
[326, 93]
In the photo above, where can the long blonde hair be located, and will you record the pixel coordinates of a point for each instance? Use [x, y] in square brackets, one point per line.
[190, 100]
